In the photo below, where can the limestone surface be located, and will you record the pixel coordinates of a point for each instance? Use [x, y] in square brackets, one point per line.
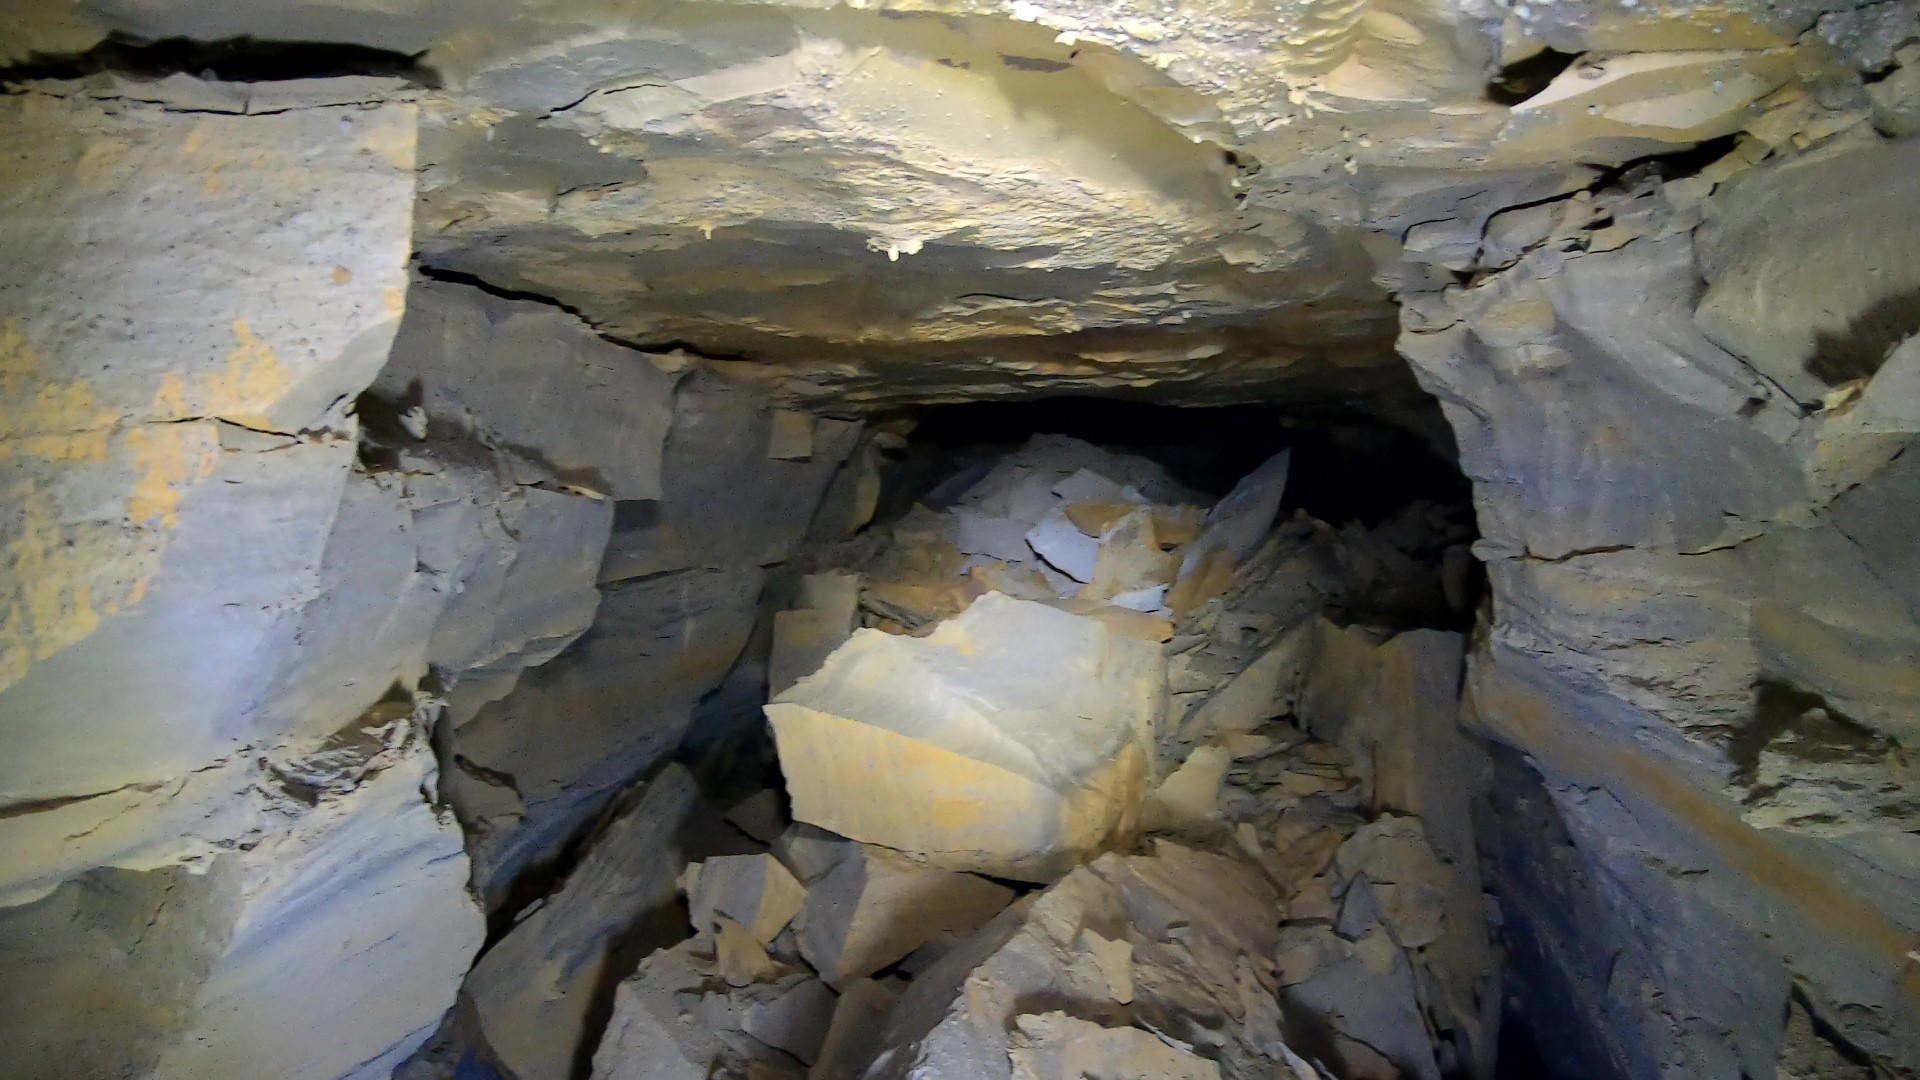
[1012, 740]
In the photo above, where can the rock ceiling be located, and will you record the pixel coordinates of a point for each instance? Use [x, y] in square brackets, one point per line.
[929, 199]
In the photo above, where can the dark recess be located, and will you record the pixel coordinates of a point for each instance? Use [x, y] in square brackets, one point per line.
[1522, 79]
[1352, 469]
[230, 60]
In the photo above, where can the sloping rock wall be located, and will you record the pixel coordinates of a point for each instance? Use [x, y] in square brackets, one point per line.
[1704, 627]
[177, 455]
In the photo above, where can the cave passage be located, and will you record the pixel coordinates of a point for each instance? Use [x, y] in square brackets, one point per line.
[959, 540]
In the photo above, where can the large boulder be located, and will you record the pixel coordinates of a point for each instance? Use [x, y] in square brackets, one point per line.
[1013, 740]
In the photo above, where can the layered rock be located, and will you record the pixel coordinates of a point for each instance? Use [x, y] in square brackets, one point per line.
[1702, 633]
[180, 447]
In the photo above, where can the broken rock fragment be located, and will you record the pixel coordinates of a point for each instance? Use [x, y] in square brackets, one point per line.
[753, 890]
[1013, 740]
[678, 1018]
[1055, 1046]
[534, 989]
[874, 908]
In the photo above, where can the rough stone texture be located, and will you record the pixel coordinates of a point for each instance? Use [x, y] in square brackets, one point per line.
[678, 1019]
[1201, 930]
[177, 451]
[140, 423]
[1013, 740]
[873, 908]
[534, 767]
[535, 989]
[1702, 631]
[724, 502]
[511, 370]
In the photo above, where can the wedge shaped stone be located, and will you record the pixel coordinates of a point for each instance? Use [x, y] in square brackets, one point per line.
[753, 890]
[874, 908]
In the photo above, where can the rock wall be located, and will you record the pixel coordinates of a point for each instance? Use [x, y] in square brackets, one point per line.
[1688, 432]
[192, 813]
[264, 587]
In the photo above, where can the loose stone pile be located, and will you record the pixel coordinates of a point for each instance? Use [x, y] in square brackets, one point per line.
[1280, 894]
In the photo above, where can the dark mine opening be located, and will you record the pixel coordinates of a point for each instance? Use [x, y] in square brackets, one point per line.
[1344, 469]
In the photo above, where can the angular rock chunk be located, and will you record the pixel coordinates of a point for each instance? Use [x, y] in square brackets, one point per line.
[1236, 524]
[1064, 546]
[1364, 992]
[1187, 797]
[678, 1019]
[874, 907]
[796, 1020]
[534, 989]
[858, 1022]
[1013, 740]
[753, 890]
[1409, 882]
[1055, 1046]
[1198, 935]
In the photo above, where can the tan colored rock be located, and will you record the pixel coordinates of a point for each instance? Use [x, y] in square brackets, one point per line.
[1012, 740]
[1261, 691]
[1122, 621]
[1130, 559]
[1188, 796]
[754, 890]
[855, 1031]
[1200, 928]
[1055, 1046]
[742, 959]
[874, 907]
[792, 436]
[1615, 107]
[678, 1018]
[1115, 960]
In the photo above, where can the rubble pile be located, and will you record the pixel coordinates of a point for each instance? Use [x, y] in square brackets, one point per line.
[1028, 841]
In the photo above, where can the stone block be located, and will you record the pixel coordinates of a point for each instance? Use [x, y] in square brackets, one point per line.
[1012, 740]
[754, 890]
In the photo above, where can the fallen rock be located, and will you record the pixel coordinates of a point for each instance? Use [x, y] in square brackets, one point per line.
[678, 1019]
[533, 991]
[1236, 524]
[1408, 880]
[1187, 797]
[854, 1035]
[1064, 546]
[1363, 994]
[795, 1020]
[873, 908]
[754, 890]
[1055, 1046]
[1198, 931]
[1013, 740]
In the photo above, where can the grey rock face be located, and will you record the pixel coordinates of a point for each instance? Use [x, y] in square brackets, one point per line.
[1708, 669]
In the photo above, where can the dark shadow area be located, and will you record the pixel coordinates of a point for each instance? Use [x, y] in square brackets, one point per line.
[1523, 79]
[1859, 352]
[230, 60]
[1566, 940]
[1341, 471]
